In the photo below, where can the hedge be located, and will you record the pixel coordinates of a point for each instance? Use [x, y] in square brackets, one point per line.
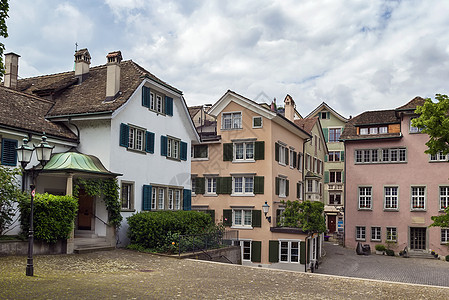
[158, 230]
[53, 216]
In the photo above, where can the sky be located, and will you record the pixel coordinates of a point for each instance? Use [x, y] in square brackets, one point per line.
[353, 55]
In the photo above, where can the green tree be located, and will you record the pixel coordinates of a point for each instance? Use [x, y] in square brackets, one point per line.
[441, 220]
[433, 120]
[307, 215]
[4, 8]
[9, 195]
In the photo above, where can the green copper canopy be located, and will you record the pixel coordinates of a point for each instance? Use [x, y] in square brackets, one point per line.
[76, 162]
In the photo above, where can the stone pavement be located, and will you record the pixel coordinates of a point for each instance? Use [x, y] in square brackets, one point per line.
[124, 274]
[345, 262]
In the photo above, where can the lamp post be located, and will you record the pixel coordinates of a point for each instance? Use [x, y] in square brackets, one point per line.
[265, 208]
[24, 154]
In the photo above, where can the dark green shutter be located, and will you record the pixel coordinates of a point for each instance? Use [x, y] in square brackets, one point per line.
[227, 217]
[326, 134]
[326, 176]
[146, 197]
[163, 145]
[258, 184]
[256, 251]
[298, 190]
[149, 142]
[256, 218]
[286, 156]
[342, 155]
[200, 185]
[187, 199]
[9, 153]
[227, 152]
[287, 187]
[183, 155]
[319, 115]
[211, 213]
[325, 157]
[277, 179]
[273, 251]
[276, 151]
[146, 96]
[328, 115]
[294, 159]
[298, 162]
[302, 253]
[342, 176]
[168, 106]
[224, 185]
[259, 153]
[124, 135]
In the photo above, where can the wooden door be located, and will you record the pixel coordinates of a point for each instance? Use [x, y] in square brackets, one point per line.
[85, 211]
[331, 223]
[417, 238]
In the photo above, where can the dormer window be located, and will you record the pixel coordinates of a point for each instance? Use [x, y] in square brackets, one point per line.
[374, 130]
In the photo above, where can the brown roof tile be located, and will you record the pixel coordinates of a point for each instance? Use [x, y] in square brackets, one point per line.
[417, 101]
[307, 124]
[380, 117]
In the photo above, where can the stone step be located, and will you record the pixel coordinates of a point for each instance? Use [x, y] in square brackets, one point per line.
[419, 254]
[85, 234]
[93, 249]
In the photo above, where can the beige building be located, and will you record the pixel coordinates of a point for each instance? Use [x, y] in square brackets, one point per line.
[256, 159]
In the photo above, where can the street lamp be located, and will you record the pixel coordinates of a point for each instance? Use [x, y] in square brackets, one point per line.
[24, 153]
[265, 208]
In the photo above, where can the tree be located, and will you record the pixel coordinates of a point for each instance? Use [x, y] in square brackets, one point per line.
[433, 120]
[441, 220]
[4, 8]
[10, 194]
[307, 215]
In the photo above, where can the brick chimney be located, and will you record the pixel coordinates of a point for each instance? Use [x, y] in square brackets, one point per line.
[289, 108]
[11, 70]
[82, 62]
[113, 75]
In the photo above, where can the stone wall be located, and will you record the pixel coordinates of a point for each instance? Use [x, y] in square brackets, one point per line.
[21, 248]
[231, 254]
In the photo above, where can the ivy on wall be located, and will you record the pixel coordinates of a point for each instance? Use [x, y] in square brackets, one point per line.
[109, 189]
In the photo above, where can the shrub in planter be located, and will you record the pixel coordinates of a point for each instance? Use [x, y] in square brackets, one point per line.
[447, 257]
[380, 247]
[389, 252]
[53, 216]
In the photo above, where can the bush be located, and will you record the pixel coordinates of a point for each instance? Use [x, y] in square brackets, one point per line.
[53, 216]
[380, 247]
[447, 257]
[158, 230]
[389, 252]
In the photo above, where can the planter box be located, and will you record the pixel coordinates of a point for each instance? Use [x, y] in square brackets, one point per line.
[380, 252]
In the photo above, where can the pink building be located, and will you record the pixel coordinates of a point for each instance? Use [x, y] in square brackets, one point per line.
[392, 187]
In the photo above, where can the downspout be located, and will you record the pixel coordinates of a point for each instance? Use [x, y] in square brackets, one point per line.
[344, 203]
[77, 130]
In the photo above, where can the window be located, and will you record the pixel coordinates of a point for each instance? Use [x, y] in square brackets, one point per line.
[161, 198]
[360, 233]
[153, 199]
[177, 199]
[173, 148]
[211, 185]
[193, 185]
[334, 134]
[308, 162]
[363, 131]
[376, 234]
[152, 100]
[374, 130]
[383, 129]
[232, 120]
[171, 202]
[334, 198]
[444, 236]
[282, 187]
[444, 197]
[246, 249]
[257, 122]
[282, 153]
[334, 156]
[243, 185]
[418, 197]
[241, 217]
[292, 159]
[200, 151]
[244, 151]
[159, 104]
[365, 197]
[127, 195]
[299, 190]
[136, 138]
[300, 161]
[289, 251]
[392, 234]
[386, 155]
[324, 115]
[335, 176]
[414, 129]
[438, 157]
[391, 197]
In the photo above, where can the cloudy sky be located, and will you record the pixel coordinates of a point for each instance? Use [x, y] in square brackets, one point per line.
[354, 55]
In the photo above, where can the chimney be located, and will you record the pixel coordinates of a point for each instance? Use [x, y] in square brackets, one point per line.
[82, 62]
[289, 108]
[11, 70]
[113, 75]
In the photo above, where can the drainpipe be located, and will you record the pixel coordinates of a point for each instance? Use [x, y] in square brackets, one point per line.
[77, 129]
[344, 203]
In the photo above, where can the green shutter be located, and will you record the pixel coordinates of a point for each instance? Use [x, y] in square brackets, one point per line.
[326, 134]
[211, 213]
[168, 106]
[146, 197]
[256, 251]
[342, 155]
[149, 142]
[227, 152]
[298, 189]
[318, 115]
[9, 152]
[163, 145]
[328, 115]
[124, 135]
[256, 218]
[287, 187]
[227, 217]
[325, 158]
[277, 185]
[326, 176]
[273, 251]
[183, 154]
[187, 199]
[302, 253]
[298, 162]
[259, 150]
[258, 184]
[146, 96]
[276, 151]
[286, 156]
[200, 185]
[342, 176]
[224, 185]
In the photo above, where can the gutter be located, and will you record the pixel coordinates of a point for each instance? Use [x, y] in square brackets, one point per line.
[80, 115]
[39, 133]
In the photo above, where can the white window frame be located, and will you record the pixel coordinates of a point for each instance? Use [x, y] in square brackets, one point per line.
[292, 257]
[127, 191]
[261, 121]
[159, 103]
[235, 119]
[152, 101]
[444, 236]
[418, 198]
[414, 129]
[391, 234]
[245, 244]
[246, 146]
[291, 158]
[154, 198]
[282, 187]
[171, 202]
[365, 197]
[211, 185]
[444, 197]
[173, 148]
[335, 172]
[246, 180]
[245, 216]
[334, 155]
[437, 157]
[160, 198]
[376, 233]
[177, 199]
[360, 233]
[334, 194]
[390, 198]
[136, 139]
[281, 153]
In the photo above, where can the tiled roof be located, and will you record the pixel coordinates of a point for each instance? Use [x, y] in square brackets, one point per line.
[307, 124]
[23, 111]
[193, 110]
[417, 101]
[88, 97]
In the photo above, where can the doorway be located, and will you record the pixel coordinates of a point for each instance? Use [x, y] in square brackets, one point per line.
[85, 211]
[417, 238]
[331, 223]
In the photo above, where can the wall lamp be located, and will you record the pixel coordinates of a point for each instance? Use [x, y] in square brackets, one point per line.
[265, 209]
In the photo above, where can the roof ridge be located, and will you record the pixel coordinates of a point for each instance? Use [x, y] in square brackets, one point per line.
[27, 95]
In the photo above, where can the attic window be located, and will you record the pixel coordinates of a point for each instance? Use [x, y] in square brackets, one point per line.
[324, 115]
[374, 130]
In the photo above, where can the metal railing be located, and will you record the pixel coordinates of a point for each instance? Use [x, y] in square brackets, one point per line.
[203, 242]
